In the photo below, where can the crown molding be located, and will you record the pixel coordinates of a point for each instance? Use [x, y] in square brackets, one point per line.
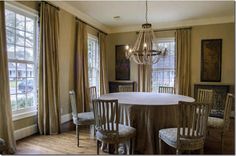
[67, 7]
[177, 24]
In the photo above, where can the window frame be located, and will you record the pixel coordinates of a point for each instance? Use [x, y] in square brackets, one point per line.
[163, 40]
[18, 8]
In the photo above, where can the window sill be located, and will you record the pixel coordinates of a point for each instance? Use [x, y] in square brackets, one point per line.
[19, 116]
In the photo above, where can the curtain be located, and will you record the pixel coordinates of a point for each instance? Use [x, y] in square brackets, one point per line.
[103, 67]
[144, 78]
[6, 124]
[81, 68]
[49, 107]
[183, 73]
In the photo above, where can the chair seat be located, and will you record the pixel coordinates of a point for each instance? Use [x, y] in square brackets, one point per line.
[169, 136]
[215, 122]
[84, 118]
[125, 133]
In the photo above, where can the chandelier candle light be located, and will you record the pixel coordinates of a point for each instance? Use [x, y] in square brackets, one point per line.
[143, 51]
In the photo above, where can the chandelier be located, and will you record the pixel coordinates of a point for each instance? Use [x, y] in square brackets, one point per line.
[143, 51]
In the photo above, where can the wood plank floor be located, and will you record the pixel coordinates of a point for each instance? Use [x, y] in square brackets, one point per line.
[65, 143]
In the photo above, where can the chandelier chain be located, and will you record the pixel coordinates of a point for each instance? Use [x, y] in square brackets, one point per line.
[146, 11]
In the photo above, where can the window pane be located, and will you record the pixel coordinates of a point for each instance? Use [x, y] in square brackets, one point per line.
[30, 85]
[21, 70]
[30, 70]
[30, 100]
[10, 18]
[29, 54]
[20, 35]
[20, 53]
[20, 22]
[12, 69]
[29, 40]
[12, 86]
[21, 101]
[21, 85]
[29, 25]
[10, 51]
[10, 35]
[13, 103]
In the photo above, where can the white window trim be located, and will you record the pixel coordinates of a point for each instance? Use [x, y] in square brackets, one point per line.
[25, 114]
[24, 10]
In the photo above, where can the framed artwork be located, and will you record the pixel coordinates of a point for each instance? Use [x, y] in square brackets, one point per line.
[122, 64]
[211, 52]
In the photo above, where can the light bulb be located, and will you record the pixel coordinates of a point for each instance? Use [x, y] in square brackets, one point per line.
[145, 45]
[126, 47]
[130, 50]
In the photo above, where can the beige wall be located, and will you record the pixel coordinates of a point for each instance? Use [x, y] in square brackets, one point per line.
[217, 31]
[223, 31]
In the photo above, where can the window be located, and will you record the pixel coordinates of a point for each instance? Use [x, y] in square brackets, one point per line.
[93, 63]
[21, 33]
[163, 72]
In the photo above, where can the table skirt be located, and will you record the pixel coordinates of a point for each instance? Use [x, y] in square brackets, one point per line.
[148, 120]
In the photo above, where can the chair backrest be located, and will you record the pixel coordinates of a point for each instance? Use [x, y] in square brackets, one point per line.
[106, 115]
[192, 120]
[92, 95]
[163, 89]
[205, 95]
[227, 111]
[125, 88]
[73, 105]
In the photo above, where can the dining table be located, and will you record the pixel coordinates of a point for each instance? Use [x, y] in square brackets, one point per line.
[148, 112]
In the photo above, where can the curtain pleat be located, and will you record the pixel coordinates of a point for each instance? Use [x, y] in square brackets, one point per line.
[6, 123]
[103, 67]
[49, 106]
[81, 68]
[183, 62]
[144, 78]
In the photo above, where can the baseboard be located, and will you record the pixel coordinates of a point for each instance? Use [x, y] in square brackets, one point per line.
[66, 118]
[27, 131]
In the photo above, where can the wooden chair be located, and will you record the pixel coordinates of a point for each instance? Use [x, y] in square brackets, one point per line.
[108, 129]
[86, 118]
[205, 95]
[2, 146]
[191, 129]
[222, 124]
[163, 89]
[125, 88]
[92, 95]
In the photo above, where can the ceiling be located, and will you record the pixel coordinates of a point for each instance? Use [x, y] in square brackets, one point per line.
[132, 13]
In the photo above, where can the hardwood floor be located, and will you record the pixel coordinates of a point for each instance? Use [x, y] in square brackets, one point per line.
[65, 143]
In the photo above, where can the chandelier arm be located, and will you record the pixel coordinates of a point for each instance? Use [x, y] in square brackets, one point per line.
[137, 43]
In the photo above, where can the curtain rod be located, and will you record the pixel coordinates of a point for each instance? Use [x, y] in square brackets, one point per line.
[90, 25]
[52, 5]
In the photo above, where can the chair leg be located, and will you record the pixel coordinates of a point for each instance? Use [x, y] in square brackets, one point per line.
[94, 130]
[116, 148]
[98, 144]
[160, 146]
[131, 146]
[178, 151]
[222, 142]
[202, 150]
[77, 134]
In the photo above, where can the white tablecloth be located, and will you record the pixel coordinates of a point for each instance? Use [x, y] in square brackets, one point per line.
[148, 113]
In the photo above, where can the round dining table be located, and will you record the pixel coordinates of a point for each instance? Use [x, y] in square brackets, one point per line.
[148, 112]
